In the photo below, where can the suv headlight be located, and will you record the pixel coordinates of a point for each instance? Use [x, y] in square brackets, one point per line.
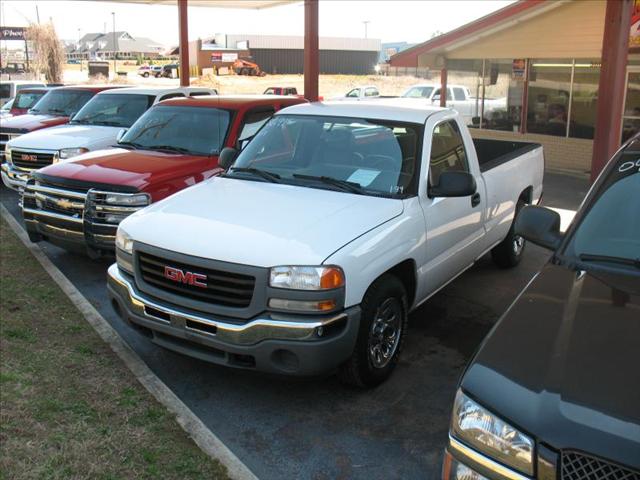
[306, 278]
[123, 241]
[67, 153]
[482, 430]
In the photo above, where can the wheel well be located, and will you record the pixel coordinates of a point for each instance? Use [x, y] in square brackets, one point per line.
[406, 273]
[527, 195]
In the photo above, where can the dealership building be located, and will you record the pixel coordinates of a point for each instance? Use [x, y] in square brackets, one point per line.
[541, 62]
[276, 54]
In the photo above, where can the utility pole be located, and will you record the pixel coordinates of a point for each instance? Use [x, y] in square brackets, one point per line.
[79, 49]
[366, 25]
[115, 47]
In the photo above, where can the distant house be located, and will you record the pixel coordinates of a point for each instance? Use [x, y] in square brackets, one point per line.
[105, 45]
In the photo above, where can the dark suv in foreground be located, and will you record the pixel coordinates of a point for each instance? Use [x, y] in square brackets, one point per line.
[554, 390]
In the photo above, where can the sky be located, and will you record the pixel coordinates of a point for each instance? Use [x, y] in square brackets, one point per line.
[390, 20]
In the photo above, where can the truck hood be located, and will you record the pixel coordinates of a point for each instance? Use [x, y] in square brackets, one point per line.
[68, 136]
[257, 223]
[562, 364]
[130, 168]
[31, 122]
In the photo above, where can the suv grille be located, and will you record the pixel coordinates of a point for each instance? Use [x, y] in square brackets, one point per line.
[31, 160]
[222, 288]
[577, 466]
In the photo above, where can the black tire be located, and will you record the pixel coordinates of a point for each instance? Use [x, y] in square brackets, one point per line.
[34, 237]
[386, 294]
[145, 74]
[509, 252]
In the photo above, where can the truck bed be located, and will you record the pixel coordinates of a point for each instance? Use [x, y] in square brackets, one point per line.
[492, 153]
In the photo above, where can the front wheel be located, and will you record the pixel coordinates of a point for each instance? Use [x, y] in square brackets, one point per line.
[383, 324]
[508, 253]
[145, 74]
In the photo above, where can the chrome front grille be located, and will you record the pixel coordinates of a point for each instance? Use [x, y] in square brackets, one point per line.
[82, 212]
[31, 160]
[579, 466]
[53, 206]
[217, 287]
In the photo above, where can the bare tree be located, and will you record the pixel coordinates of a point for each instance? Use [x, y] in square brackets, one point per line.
[49, 51]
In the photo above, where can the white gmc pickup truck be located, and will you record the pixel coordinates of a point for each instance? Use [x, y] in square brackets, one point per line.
[328, 228]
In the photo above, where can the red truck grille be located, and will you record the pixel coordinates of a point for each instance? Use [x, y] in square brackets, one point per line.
[197, 283]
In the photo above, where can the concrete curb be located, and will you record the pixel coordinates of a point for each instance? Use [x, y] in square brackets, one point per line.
[201, 435]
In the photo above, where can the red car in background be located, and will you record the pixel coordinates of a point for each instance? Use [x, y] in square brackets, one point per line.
[54, 108]
[174, 145]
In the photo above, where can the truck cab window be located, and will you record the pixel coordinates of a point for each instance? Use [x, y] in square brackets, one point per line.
[437, 94]
[458, 93]
[371, 92]
[172, 95]
[252, 122]
[353, 93]
[447, 151]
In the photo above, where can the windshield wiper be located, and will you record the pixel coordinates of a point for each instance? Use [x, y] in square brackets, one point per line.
[168, 148]
[345, 185]
[591, 257]
[269, 176]
[133, 145]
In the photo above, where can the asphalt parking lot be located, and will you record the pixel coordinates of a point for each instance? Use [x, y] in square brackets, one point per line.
[318, 428]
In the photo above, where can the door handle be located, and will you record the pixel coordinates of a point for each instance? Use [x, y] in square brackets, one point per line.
[475, 199]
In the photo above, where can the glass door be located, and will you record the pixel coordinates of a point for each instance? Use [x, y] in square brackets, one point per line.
[631, 115]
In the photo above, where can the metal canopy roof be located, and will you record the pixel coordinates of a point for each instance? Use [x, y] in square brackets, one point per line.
[249, 4]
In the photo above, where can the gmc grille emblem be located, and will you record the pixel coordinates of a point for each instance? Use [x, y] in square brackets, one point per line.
[29, 158]
[188, 278]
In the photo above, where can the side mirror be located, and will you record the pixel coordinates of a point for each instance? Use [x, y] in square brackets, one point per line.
[435, 98]
[454, 184]
[539, 225]
[227, 157]
[121, 134]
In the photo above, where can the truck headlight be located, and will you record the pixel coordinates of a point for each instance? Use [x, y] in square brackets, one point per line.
[482, 430]
[123, 241]
[306, 278]
[138, 199]
[7, 153]
[67, 153]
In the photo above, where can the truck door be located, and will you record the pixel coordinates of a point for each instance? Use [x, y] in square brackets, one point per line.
[455, 224]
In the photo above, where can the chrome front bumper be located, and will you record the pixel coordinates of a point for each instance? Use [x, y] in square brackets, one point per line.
[13, 178]
[263, 338]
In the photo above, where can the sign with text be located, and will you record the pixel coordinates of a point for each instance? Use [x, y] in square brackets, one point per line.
[12, 33]
[518, 69]
[224, 57]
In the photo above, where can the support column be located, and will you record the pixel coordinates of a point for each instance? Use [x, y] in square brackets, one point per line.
[615, 49]
[443, 87]
[183, 26]
[311, 50]
[524, 111]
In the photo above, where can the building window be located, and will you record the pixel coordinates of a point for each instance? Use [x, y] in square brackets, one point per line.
[562, 97]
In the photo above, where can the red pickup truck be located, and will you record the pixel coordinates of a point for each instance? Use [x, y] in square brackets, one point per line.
[54, 108]
[174, 145]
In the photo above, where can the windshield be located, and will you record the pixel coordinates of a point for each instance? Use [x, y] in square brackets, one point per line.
[196, 130]
[418, 92]
[27, 99]
[62, 102]
[352, 154]
[114, 109]
[611, 226]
